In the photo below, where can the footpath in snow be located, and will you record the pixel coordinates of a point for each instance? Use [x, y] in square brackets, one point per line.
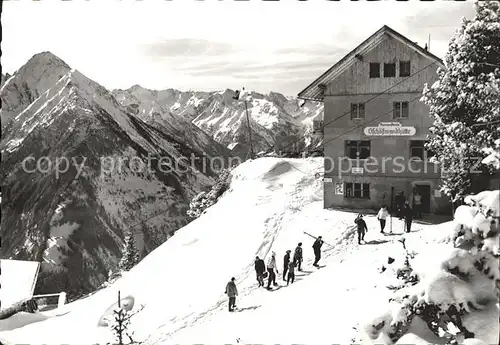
[180, 285]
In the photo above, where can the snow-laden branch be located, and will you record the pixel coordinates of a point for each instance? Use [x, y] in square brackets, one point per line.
[456, 297]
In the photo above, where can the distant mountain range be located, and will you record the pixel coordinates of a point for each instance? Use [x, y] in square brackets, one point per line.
[276, 122]
[74, 222]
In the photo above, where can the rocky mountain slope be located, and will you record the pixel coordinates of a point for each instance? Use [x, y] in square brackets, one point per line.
[275, 120]
[79, 169]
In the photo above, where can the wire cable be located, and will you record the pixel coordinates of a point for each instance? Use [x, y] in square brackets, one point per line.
[369, 100]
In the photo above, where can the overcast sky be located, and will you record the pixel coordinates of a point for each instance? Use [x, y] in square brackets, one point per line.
[213, 45]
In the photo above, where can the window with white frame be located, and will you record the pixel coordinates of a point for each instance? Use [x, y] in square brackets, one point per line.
[400, 110]
[357, 149]
[357, 111]
[354, 190]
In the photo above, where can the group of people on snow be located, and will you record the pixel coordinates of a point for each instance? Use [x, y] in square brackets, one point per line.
[403, 212]
[289, 265]
[270, 271]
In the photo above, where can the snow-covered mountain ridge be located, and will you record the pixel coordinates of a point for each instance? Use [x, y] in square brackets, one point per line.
[276, 121]
[108, 181]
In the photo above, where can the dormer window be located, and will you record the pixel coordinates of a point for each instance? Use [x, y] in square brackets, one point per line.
[389, 70]
[404, 68]
[374, 70]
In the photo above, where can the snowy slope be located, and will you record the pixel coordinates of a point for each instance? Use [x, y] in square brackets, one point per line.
[275, 120]
[74, 221]
[268, 206]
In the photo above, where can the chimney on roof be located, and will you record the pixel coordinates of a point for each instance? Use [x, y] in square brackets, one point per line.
[426, 47]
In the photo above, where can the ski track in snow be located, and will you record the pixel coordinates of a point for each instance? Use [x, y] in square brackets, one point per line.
[268, 207]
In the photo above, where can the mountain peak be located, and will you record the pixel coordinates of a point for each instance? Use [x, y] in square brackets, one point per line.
[43, 66]
[38, 75]
[277, 97]
[136, 87]
[45, 60]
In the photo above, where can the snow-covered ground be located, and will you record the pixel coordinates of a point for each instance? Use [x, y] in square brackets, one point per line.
[270, 203]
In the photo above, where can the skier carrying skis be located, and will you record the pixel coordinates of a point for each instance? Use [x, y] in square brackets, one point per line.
[232, 292]
[286, 261]
[271, 268]
[297, 257]
[317, 250]
[291, 273]
[260, 267]
[362, 228]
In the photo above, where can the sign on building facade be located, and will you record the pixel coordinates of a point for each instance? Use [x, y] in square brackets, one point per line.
[339, 188]
[388, 129]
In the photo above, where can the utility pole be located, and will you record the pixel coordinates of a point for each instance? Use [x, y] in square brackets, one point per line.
[237, 96]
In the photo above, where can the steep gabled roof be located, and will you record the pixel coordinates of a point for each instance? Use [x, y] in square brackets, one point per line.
[314, 91]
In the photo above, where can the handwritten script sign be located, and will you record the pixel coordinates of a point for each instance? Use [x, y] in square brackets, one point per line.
[388, 129]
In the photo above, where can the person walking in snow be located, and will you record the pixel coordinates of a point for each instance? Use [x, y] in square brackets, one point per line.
[297, 256]
[286, 262]
[400, 202]
[417, 205]
[260, 268]
[272, 271]
[291, 273]
[232, 292]
[382, 217]
[362, 228]
[408, 215]
[317, 250]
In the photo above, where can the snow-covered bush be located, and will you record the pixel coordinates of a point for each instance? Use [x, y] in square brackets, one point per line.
[457, 297]
[204, 200]
[130, 254]
[113, 276]
[465, 101]
[493, 157]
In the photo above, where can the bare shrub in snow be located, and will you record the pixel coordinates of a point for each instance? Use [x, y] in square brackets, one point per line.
[457, 298]
[204, 200]
[120, 324]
